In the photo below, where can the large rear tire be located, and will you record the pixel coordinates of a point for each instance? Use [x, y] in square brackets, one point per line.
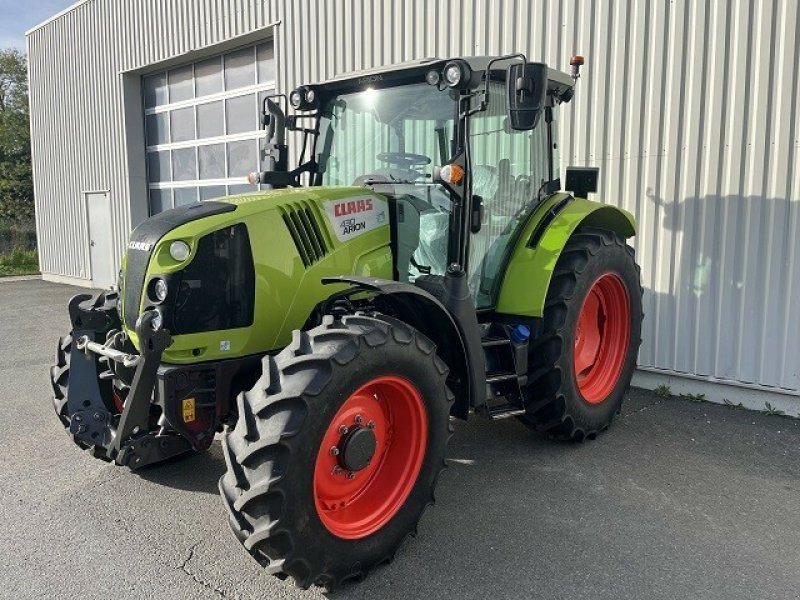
[582, 362]
[337, 449]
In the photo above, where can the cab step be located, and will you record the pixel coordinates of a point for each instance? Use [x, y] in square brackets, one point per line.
[504, 411]
[503, 390]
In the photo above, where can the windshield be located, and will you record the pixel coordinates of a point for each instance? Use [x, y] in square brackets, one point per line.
[395, 136]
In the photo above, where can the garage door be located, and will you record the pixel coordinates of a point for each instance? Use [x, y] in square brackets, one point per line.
[202, 126]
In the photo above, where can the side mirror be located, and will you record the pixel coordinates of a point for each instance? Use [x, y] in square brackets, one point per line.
[526, 90]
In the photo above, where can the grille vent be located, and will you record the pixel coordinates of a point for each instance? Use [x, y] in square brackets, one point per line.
[303, 226]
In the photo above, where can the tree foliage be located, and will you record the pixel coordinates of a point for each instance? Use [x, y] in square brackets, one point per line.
[16, 185]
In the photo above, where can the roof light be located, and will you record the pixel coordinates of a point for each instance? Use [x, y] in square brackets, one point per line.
[457, 73]
[452, 75]
[296, 98]
[303, 98]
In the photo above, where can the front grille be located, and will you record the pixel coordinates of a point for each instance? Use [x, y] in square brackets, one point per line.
[143, 242]
[303, 225]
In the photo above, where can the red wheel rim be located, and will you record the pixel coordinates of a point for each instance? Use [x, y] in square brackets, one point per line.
[601, 338]
[355, 504]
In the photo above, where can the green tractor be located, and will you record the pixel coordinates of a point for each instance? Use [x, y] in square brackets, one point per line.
[419, 263]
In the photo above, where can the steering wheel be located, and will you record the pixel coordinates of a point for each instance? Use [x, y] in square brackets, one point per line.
[403, 159]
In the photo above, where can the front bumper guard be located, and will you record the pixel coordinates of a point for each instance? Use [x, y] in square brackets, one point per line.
[129, 442]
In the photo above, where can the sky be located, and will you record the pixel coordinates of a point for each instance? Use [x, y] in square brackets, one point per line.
[17, 16]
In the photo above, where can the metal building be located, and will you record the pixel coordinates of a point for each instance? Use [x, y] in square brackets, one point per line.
[688, 107]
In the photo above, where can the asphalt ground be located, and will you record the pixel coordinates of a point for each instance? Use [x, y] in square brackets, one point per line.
[677, 500]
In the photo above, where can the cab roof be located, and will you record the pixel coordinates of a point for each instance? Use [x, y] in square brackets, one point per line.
[416, 69]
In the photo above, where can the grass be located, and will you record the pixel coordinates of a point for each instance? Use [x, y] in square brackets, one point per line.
[694, 397]
[731, 404]
[771, 410]
[19, 262]
[663, 391]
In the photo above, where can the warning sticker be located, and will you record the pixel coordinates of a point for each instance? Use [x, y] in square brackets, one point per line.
[188, 410]
[351, 217]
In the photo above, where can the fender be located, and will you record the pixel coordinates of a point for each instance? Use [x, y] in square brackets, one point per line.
[523, 289]
[425, 312]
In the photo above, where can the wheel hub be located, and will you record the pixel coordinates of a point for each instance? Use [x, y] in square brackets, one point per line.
[357, 448]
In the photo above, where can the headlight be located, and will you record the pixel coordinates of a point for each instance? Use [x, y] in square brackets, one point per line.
[179, 250]
[160, 290]
[157, 321]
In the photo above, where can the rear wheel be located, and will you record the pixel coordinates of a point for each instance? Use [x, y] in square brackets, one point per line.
[583, 361]
[337, 449]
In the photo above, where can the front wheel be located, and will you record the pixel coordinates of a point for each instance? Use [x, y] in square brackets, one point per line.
[582, 362]
[337, 449]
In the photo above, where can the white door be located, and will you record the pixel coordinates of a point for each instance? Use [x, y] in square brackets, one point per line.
[98, 207]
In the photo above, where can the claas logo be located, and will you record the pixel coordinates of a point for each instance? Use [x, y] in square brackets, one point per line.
[352, 207]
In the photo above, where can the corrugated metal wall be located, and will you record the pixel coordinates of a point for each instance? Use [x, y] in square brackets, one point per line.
[77, 66]
[689, 108]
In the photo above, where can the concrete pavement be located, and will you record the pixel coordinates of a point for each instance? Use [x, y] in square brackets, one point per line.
[677, 500]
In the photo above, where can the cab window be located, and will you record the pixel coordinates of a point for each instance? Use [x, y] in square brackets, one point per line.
[508, 169]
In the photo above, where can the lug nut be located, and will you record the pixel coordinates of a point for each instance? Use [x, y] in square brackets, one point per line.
[97, 416]
[336, 470]
[359, 419]
[371, 425]
[334, 451]
[343, 429]
[351, 475]
[78, 418]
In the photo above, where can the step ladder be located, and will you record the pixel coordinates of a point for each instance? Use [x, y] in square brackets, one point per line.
[503, 390]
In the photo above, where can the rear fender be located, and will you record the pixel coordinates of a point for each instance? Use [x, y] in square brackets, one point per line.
[527, 276]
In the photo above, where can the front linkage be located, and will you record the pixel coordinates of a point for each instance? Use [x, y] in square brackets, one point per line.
[109, 411]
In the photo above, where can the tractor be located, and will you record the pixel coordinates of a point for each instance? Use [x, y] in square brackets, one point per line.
[415, 260]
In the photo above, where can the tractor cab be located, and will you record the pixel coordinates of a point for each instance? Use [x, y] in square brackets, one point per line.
[464, 149]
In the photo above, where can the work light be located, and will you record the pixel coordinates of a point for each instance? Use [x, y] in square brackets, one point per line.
[456, 73]
[303, 98]
[296, 98]
[433, 77]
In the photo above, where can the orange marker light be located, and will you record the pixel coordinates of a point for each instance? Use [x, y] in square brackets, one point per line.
[576, 62]
[451, 174]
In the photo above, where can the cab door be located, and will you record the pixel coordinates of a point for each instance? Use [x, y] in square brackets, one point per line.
[508, 169]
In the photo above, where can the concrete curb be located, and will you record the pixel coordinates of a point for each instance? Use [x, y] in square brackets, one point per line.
[13, 278]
